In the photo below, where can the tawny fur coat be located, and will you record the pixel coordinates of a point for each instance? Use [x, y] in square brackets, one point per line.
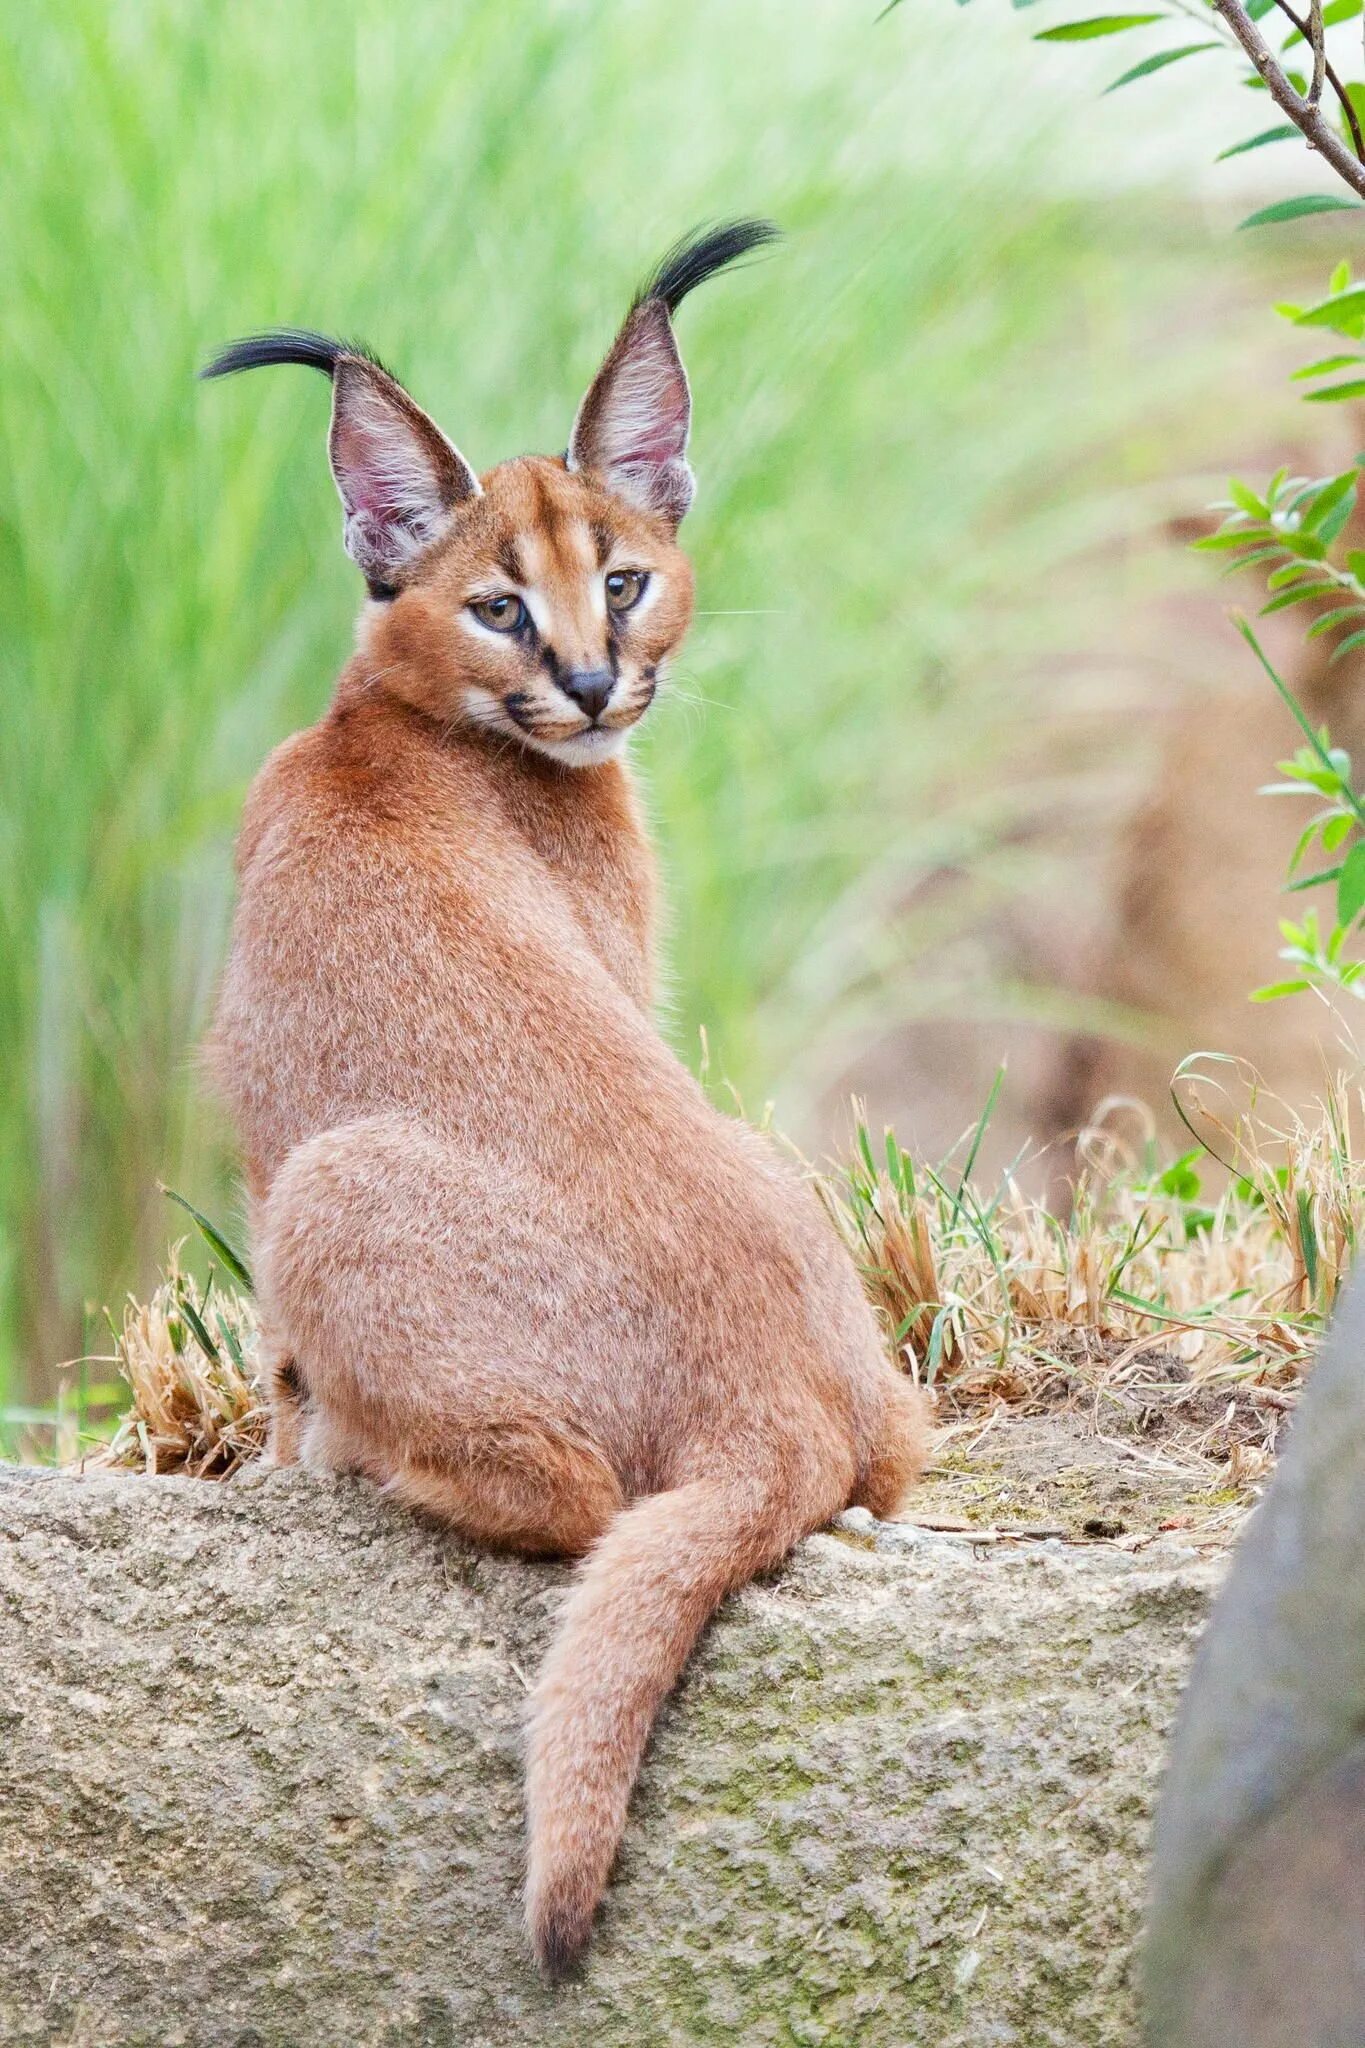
[512, 1263]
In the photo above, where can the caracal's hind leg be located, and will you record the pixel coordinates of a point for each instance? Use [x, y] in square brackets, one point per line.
[524, 1489]
[429, 1304]
[900, 1452]
[282, 1386]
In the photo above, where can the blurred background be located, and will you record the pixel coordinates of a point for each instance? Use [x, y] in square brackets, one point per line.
[960, 760]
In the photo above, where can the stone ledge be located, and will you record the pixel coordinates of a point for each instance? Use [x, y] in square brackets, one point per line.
[260, 1786]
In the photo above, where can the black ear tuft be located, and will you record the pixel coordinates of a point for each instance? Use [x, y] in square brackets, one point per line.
[398, 476]
[287, 345]
[700, 255]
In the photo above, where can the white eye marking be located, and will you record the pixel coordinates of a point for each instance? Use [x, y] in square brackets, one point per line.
[539, 610]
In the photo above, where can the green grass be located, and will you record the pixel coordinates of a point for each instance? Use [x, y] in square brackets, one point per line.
[940, 392]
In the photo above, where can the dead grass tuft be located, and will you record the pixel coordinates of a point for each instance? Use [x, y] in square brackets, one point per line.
[190, 1364]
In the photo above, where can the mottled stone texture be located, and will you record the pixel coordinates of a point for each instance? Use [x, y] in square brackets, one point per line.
[259, 1786]
[1258, 1910]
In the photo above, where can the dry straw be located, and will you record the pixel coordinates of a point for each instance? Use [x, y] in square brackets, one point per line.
[190, 1364]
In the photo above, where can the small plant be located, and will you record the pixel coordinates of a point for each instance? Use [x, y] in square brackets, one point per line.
[190, 1364]
[987, 1295]
[187, 1357]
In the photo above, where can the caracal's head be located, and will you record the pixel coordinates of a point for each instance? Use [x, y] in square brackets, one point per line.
[541, 600]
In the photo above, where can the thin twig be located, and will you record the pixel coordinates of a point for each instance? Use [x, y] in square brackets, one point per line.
[1318, 38]
[1309, 121]
[1347, 103]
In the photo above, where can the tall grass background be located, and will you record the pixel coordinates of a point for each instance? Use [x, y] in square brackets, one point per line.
[966, 372]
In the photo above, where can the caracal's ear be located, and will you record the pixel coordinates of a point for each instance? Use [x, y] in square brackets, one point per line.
[632, 427]
[399, 477]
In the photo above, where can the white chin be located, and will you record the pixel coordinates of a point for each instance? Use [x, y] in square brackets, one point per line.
[584, 750]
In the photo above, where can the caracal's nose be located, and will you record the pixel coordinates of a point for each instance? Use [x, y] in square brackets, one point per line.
[589, 688]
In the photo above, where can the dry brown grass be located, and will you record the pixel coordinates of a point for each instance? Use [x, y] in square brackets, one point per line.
[189, 1363]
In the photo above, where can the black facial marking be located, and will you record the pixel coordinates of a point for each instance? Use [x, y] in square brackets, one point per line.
[382, 593]
[551, 664]
[601, 540]
[509, 561]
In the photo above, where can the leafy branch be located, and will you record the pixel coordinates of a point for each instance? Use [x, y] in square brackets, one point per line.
[1294, 529]
[1238, 28]
[1301, 101]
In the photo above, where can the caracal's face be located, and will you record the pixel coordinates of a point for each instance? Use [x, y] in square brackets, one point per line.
[545, 612]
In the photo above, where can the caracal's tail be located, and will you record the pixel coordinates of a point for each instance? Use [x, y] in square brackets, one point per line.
[644, 1596]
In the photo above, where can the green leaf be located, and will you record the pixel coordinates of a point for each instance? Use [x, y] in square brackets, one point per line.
[1337, 308]
[1355, 562]
[1354, 387]
[1341, 276]
[1335, 830]
[1293, 572]
[1284, 133]
[1275, 989]
[1257, 555]
[231, 1339]
[193, 1318]
[1158, 63]
[1355, 93]
[216, 1242]
[1258, 9]
[1095, 25]
[1336, 617]
[1333, 12]
[1351, 641]
[1246, 500]
[1288, 598]
[1308, 1236]
[1296, 209]
[935, 1354]
[1351, 886]
[975, 1146]
[1325, 365]
[1216, 542]
[1296, 711]
[1333, 496]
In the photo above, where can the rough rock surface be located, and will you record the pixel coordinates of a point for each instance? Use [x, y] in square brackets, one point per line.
[260, 1784]
[1258, 1916]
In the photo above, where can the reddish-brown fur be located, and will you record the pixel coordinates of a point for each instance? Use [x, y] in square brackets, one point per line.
[521, 1271]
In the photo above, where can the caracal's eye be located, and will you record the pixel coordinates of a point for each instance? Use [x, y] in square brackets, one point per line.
[504, 614]
[625, 587]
